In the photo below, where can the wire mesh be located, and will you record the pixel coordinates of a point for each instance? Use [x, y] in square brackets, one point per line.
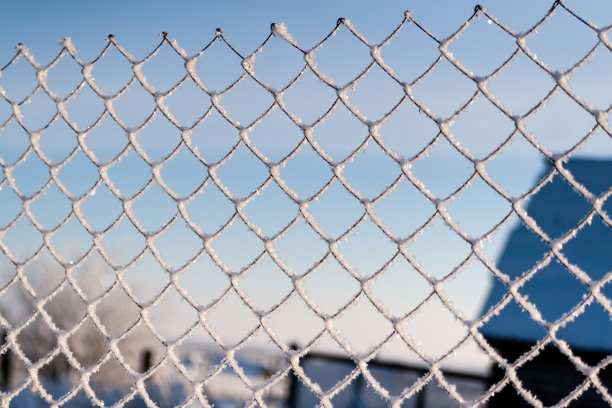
[88, 314]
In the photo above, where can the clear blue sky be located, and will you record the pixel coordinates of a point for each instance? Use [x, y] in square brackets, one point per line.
[136, 25]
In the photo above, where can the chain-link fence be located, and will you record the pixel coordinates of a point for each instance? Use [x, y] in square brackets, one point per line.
[192, 229]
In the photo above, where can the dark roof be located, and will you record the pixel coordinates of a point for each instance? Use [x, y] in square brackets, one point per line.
[557, 209]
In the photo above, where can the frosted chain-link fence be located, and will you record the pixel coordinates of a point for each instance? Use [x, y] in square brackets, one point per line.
[139, 219]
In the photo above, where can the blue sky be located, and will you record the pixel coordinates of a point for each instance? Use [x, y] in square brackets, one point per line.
[136, 25]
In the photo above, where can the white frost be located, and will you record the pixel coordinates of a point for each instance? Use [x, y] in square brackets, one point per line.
[67, 43]
[281, 30]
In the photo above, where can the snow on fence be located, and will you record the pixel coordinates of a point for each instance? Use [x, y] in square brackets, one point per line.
[172, 224]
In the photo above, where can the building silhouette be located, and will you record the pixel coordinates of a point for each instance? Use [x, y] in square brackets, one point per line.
[557, 209]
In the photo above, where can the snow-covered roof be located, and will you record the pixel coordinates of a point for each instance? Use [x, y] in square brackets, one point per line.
[557, 209]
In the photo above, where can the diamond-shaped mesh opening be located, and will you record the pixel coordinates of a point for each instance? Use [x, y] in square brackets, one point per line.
[442, 159]
[164, 69]
[447, 331]
[223, 315]
[29, 238]
[295, 322]
[190, 244]
[365, 237]
[371, 171]
[567, 287]
[57, 141]
[360, 336]
[454, 247]
[410, 41]
[137, 171]
[408, 131]
[478, 208]
[158, 139]
[340, 134]
[88, 344]
[482, 137]
[404, 210]
[199, 355]
[276, 136]
[58, 376]
[101, 208]
[30, 174]
[112, 72]
[593, 91]
[548, 41]
[469, 358]
[560, 124]
[246, 102]
[123, 243]
[14, 142]
[17, 304]
[134, 106]
[444, 90]
[37, 340]
[520, 85]
[18, 80]
[340, 52]
[563, 219]
[12, 206]
[268, 69]
[400, 288]
[111, 382]
[188, 103]
[227, 386]
[169, 387]
[117, 312]
[526, 164]
[483, 47]
[328, 301]
[39, 111]
[210, 209]
[78, 175]
[252, 173]
[141, 349]
[238, 246]
[300, 248]
[298, 98]
[376, 94]
[105, 141]
[218, 67]
[214, 138]
[146, 279]
[65, 308]
[84, 108]
[325, 216]
[461, 288]
[154, 208]
[44, 273]
[163, 316]
[257, 211]
[306, 162]
[51, 208]
[266, 285]
[183, 173]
